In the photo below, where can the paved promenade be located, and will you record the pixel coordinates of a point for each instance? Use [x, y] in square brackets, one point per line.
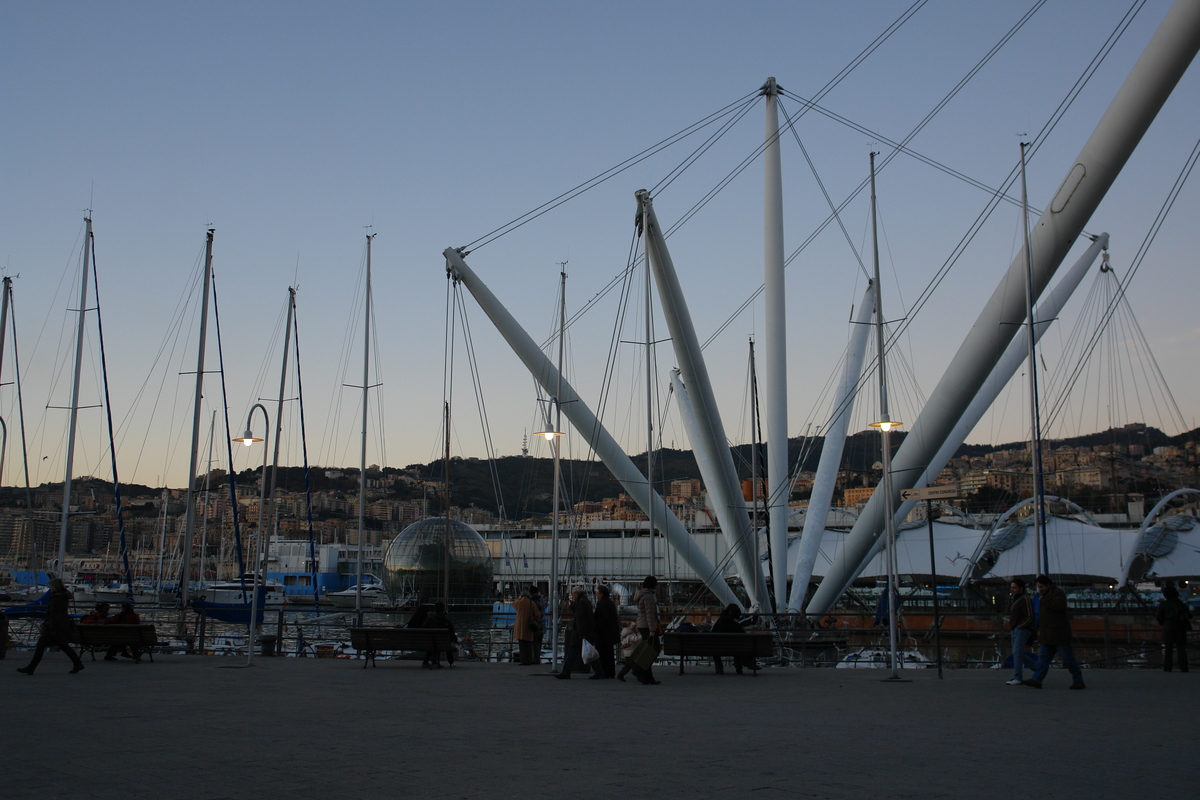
[191, 727]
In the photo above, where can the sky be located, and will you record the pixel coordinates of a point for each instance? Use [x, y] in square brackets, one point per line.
[290, 128]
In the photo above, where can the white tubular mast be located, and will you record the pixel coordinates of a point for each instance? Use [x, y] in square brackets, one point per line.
[1139, 99]
[731, 509]
[775, 347]
[831, 452]
[576, 411]
[709, 470]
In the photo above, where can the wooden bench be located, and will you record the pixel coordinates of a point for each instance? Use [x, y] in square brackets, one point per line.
[97, 637]
[370, 641]
[744, 645]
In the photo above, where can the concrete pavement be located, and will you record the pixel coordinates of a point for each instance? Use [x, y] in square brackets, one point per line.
[192, 727]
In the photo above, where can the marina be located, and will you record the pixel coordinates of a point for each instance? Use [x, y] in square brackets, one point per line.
[805, 545]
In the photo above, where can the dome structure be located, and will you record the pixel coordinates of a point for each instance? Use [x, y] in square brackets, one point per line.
[415, 562]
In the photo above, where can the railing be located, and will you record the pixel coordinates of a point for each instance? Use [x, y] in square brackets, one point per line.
[1103, 639]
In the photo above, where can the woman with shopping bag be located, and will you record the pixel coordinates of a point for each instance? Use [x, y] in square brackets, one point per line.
[641, 661]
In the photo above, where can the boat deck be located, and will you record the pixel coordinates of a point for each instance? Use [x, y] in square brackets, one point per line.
[500, 730]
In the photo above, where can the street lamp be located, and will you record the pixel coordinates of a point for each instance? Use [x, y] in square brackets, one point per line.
[552, 433]
[885, 427]
[248, 438]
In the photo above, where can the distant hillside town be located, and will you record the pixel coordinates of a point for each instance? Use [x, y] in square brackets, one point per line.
[1109, 473]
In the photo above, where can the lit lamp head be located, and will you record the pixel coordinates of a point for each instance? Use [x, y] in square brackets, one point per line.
[248, 438]
[549, 432]
[886, 424]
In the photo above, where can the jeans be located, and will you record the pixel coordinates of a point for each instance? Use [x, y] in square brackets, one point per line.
[1020, 636]
[1046, 655]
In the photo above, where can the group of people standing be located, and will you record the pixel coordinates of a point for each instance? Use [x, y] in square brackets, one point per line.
[595, 624]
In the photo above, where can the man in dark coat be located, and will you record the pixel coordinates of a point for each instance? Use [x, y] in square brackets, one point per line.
[1175, 618]
[57, 630]
[584, 627]
[608, 634]
[1054, 634]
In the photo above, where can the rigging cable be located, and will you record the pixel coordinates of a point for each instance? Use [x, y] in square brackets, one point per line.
[237, 531]
[611, 172]
[312, 547]
[1138, 258]
[108, 413]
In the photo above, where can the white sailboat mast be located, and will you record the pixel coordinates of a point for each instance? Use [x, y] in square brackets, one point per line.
[1150, 82]
[189, 526]
[362, 470]
[1035, 415]
[649, 409]
[65, 524]
[775, 347]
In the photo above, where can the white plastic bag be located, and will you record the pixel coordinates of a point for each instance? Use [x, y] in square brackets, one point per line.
[590, 653]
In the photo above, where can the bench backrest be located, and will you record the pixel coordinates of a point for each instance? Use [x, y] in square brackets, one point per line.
[141, 635]
[379, 638]
[719, 644]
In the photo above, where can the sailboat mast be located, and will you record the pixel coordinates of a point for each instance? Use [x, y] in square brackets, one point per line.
[649, 411]
[362, 463]
[1035, 417]
[287, 338]
[754, 465]
[555, 601]
[24, 443]
[189, 526]
[66, 503]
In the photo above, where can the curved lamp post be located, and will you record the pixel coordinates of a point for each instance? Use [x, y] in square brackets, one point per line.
[248, 438]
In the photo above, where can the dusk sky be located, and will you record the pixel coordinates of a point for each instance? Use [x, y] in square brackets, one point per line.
[289, 127]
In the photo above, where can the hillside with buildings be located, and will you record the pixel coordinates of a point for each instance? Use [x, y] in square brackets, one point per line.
[1103, 472]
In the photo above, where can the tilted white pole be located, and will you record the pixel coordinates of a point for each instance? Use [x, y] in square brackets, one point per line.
[1139, 99]
[775, 347]
[831, 453]
[710, 473]
[576, 410]
[731, 509]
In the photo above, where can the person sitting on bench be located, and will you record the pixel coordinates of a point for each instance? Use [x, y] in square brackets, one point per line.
[727, 623]
[97, 616]
[127, 616]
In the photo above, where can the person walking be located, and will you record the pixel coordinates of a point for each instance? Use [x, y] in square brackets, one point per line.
[1054, 634]
[583, 626]
[647, 625]
[1176, 620]
[57, 630]
[1021, 626]
[527, 616]
[608, 634]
